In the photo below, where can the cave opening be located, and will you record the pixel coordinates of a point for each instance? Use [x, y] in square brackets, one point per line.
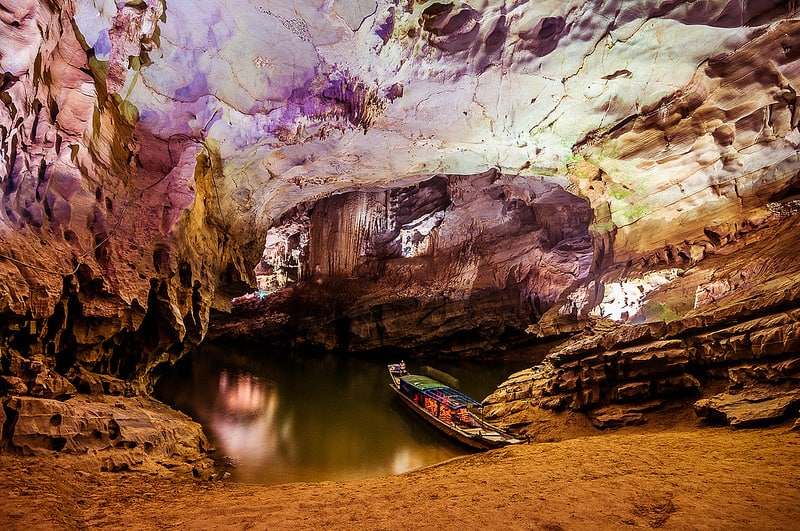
[446, 265]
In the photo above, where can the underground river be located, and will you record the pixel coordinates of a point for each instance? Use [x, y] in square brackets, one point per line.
[280, 417]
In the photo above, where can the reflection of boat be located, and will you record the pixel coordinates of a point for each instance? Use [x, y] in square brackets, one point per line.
[451, 411]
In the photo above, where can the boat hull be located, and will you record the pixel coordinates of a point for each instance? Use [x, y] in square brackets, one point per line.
[475, 442]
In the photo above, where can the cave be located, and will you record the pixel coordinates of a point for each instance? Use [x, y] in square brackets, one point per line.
[451, 265]
[588, 211]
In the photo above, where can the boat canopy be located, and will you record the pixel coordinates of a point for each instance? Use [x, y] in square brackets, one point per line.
[439, 392]
[421, 383]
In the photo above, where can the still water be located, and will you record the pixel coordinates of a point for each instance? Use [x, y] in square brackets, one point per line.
[282, 417]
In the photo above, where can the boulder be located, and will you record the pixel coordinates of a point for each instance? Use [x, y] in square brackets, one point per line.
[33, 376]
[620, 415]
[136, 426]
[47, 383]
[756, 407]
[13, 385]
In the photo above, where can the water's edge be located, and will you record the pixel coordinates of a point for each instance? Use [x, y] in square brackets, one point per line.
[280, 417]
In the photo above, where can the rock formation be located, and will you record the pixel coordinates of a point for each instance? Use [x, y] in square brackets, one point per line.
[745, 339]
[447, 266]
[437, 175]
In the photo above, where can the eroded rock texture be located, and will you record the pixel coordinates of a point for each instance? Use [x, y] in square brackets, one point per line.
[103, 258]
[450, 264]
[431, 173]
[745, 339]
[120, 433]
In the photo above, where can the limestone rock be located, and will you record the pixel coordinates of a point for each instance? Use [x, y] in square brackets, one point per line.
[50, 384]
[750, 408]
[87, 382]
[136, 427]
[33, 376]
[681, 384]
[46, 424]
[633, 390]
[13, 385]
[616, 417]
[119, 461]
[746, 338]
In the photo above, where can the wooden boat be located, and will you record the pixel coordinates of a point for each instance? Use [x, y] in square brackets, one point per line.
[452, 412]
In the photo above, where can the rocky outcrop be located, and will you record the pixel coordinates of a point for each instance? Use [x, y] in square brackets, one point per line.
[35, 378]
[750, 409]
[118, 433]
[746, 340]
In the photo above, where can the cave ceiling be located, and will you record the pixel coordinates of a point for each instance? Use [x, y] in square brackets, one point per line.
[301, 99]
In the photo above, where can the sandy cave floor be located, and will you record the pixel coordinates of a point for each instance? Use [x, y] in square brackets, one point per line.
[684, 478]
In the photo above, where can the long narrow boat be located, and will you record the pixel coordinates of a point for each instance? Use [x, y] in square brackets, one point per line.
[452, 412]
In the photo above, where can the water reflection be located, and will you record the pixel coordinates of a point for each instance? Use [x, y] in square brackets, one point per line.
[242, 394]
[243, 419]
[282, 417]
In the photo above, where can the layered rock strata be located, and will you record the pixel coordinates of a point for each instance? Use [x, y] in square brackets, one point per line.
[747, 340]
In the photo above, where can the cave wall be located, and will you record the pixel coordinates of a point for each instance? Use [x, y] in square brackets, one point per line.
[734, 354]
[728, 140]
[112, 248]
[448, 264]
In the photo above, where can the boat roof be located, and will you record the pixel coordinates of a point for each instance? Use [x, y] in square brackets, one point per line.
[423, 383]
[440, 392]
